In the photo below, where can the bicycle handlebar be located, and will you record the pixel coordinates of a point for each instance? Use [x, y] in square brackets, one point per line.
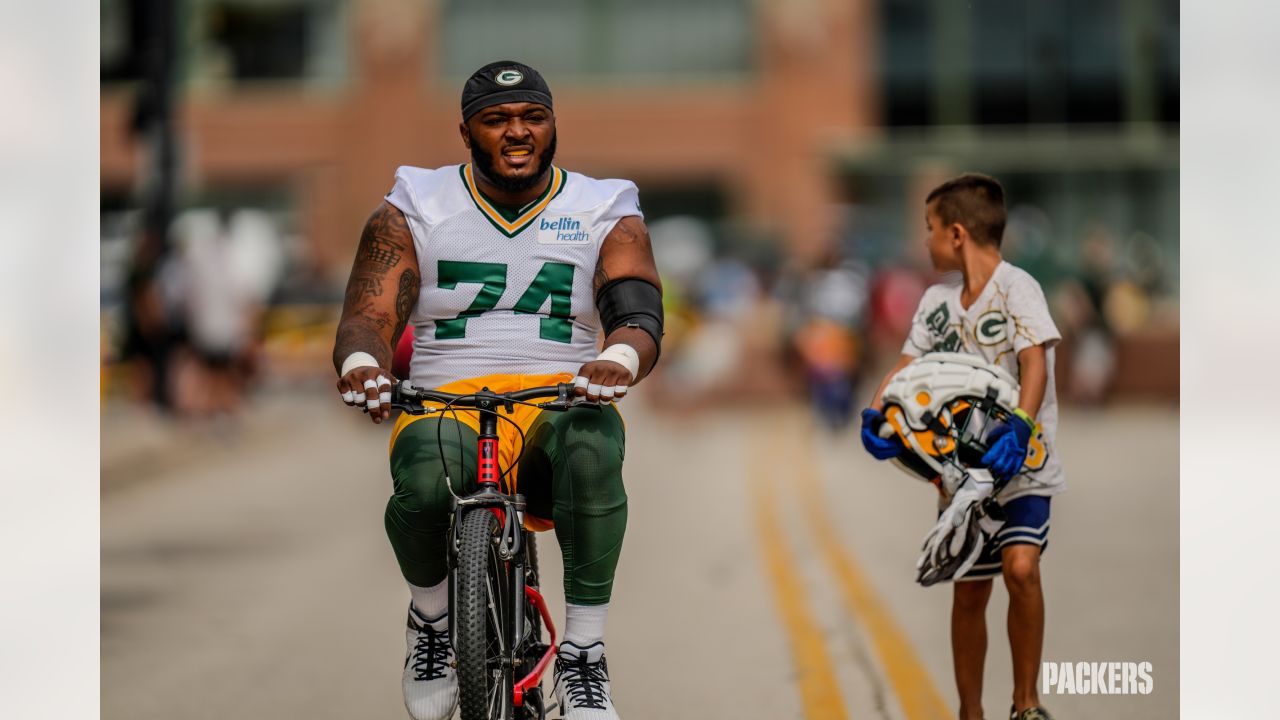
[409, 399]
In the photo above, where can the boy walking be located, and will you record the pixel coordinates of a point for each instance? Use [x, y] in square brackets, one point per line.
[998, 312]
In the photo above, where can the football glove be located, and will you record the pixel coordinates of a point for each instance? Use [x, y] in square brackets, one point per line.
[880, 448]
[956, 541]
[1008, 449]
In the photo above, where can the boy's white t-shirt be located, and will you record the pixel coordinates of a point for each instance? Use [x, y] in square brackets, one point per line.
[1008, 316]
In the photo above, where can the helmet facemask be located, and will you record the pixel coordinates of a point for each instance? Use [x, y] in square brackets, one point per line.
[943, 407]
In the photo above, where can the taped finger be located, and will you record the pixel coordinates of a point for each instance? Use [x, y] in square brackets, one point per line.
[384, 398]
[349, 397]
[620, 390]
[606, 392]
[370, 385]
[581, 382]
[383, 381]
[593, 389]
[359, 399]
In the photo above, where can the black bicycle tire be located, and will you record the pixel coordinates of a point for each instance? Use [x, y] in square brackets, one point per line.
[477, 558]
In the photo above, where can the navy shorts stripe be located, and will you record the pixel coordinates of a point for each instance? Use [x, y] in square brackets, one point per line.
[1026, 523]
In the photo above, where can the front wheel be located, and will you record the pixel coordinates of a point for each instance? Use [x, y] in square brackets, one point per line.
[481, 608]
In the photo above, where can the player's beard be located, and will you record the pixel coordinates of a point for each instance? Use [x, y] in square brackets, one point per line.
[488, 167]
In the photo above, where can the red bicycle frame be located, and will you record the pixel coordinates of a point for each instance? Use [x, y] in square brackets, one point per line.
[534, 678]
[489, 475]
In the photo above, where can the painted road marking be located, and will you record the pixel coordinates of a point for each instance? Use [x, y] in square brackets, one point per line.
[819, 692]
[917, 694]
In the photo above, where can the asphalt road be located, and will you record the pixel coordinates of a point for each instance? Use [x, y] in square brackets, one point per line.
[767, 571]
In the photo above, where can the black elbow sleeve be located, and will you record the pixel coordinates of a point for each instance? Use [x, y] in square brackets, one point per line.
[631, 302]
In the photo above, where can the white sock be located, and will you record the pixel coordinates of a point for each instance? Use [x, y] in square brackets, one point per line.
[584, 624]
[432, 601]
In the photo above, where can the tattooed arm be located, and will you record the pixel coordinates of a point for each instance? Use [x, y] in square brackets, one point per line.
[381, 292]
[625, 252]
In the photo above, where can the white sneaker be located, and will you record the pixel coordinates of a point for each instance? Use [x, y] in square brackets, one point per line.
[430, 678]
[582, 683]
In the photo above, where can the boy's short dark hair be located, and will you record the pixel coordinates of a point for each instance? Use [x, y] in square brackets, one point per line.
[975, 201]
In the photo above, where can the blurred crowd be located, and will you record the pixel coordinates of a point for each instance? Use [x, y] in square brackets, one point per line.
[190, 326]
[743, 323]
[741, 326]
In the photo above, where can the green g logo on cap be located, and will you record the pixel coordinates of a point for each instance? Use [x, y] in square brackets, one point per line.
[509, 77]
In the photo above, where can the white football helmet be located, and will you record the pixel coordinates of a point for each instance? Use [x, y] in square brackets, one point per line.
[942, 406]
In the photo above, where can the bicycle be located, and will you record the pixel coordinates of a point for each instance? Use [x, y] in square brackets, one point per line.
[498, 613]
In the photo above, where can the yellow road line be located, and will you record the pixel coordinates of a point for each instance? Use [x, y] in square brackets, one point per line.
[820, 696]
[919, 697]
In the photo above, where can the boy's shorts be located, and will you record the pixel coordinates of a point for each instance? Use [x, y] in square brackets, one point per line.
[1026, 523]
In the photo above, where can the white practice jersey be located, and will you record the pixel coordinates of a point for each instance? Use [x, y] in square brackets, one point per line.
[1008, 316]
[505, 293]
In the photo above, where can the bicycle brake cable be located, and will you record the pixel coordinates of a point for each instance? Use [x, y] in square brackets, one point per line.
[453, 412]
[462, 459]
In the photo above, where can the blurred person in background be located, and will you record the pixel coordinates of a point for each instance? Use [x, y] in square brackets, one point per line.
[509, 268]
[725, 294]
[154, 330]
[229, 264]
[711, 303]
[831, 309]
[1081, 303]
[895, 291]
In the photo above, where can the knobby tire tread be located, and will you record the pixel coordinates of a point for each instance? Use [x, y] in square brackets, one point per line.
[475, 539]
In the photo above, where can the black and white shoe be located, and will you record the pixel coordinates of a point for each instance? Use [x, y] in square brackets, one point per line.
[430, 678]
[1032, 713]
[582, 683]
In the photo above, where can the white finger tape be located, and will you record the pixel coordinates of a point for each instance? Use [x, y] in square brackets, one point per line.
[581, 382]
[357, 359]
[384, 398]
[373, 403]
[606, 392]
[370, 385]
[349, 397]
[620, 390]
[593, 389]
[624, 355]
[359, 398]
[383, 381]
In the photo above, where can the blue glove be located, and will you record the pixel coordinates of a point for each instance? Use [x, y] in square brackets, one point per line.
[880, 448]
[1008, 449]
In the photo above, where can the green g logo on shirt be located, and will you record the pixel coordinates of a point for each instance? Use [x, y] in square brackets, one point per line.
[992, 328]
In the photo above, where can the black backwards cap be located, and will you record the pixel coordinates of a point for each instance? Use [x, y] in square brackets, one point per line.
[503, 82]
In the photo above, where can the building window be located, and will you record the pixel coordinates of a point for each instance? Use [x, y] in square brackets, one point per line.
[1011, 62]
[122, 28]
[1047, 62]
[259, 43]
[662, 40]
[247, 41]
[1166, 44]
[907, 63]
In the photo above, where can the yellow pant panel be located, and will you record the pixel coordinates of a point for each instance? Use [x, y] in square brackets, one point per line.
[508, 439]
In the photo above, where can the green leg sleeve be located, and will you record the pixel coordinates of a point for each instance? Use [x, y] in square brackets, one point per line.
[417, 516]
[579, 455]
